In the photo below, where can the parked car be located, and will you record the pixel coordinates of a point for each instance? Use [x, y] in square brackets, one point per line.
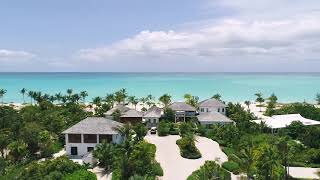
[153, 130]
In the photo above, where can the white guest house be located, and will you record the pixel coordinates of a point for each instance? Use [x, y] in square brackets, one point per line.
[82, 138]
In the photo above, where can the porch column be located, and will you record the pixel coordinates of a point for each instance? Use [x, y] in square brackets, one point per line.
[82, 138]
[98, 139]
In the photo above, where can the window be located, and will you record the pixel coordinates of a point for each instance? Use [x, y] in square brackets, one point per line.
[89, 149]
[74, 138]
[154, 121]
[202, 109]
[222, 109]
[207, 109]
[74, 151]
[90, 138]
[105, 137]
[218, 109]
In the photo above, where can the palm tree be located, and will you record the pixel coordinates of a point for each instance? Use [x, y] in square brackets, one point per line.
[121, 95]
[52, 99]
[30, 94]
[69, 92]
[187, 98]
[23, 92]
[110, 99]
[318, 98]
[75, 98]
[217, 97]
[267, 161]
[247, 103]
[2, 93]
[259, 99]
[133, 100]
[83, 95]
[143, 100]
[165, 100]
[97, 101]
[58, 97]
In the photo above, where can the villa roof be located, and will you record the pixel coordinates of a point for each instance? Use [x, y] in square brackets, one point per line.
[212, 103]
[94, 125]
[282, 121]
[132, 113]
[181, 106]
[154, 111]
[213, 117]
[119, 107]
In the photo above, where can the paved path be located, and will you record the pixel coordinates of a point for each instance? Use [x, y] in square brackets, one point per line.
[176, 167]
[302, 172]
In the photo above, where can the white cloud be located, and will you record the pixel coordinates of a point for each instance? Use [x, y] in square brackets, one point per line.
[223, 38]
[8, 55]
[252, 33]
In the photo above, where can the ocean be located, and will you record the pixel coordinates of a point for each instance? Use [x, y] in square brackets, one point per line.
[289, 87]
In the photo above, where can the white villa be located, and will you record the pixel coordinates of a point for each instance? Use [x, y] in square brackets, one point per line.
[281, 121]
[152, 115]
[212, 105]
[82, 138]
[212, 111]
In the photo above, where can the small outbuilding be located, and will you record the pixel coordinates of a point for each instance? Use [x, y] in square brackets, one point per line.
[213, 118]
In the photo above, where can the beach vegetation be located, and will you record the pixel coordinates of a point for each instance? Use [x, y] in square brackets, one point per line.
[165, 100]
[186, 144]
[271, 105]
[259, 99]
[217, 97]
[210, 170]
[2, 93]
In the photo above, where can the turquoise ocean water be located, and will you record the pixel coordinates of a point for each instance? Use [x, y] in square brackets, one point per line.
[289, 87]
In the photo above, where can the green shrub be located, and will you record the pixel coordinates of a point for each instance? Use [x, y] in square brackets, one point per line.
[163, 128]
[157, 170]
[231, 166]
[234, 158]
[81, 174]
[186, 151]
[174, 132]
[228, 151]
[210, 170]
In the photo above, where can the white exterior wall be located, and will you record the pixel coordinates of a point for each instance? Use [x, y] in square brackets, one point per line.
[212, 109]
[82, 147]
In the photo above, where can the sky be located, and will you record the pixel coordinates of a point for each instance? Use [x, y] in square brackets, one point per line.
[160, 36]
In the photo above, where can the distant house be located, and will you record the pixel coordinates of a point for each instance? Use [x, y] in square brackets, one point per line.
[183, 111]
[84, 136]
[211, 118]
[152, 115]
[277, 122]
[121, 108]
[131, 116]
[212, 105]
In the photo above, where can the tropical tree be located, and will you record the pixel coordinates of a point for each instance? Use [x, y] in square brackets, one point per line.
[187, 97]
[165, 100]
[268, 164]
[318, 98]
[23, 92]
[134, 101]
[144, 100]
[150, 100]
[247, 103]
[97, 101]
[121, 95]
[31, 95]
[83, 95]
[58, 97]
[259, 99]
[52, 99]
[271, 104]
[110, 99]
[17, 150]
[104, 152]
[140, 130]
[217, 97]
[2, 93]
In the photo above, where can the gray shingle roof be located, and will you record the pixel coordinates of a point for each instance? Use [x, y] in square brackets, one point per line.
[119, 107]
[154, 111]
[132, 113]
[213, 117]
[212, 103]
[181, 106]
[94, 125]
